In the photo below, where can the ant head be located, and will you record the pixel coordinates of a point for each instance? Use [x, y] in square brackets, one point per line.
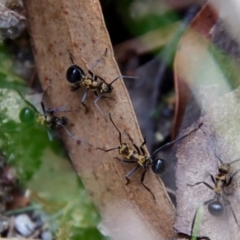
[224, 168]
[216, 208]
[159, 165]
[64, 120]
[105, 88]
[26, 115]
[74, 74]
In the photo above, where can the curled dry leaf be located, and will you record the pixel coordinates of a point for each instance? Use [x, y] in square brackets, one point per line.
[128, 212]
[196, 161]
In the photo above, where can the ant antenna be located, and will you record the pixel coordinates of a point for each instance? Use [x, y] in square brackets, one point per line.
[97, 62]
[215, 154]
[120, 135]
[70, 56]
[234, 161]
[121, 77]
[27, 102]
[49, 85]
[170, 143]
[72, 136]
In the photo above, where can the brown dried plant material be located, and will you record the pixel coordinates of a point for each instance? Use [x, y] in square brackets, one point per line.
[196, 160]
[128, 212]
[192, 53]
[145, 43]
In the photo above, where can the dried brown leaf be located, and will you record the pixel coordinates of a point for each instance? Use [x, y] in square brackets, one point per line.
[196, 160]
[192, 51]
[128, 212]
[145, 43]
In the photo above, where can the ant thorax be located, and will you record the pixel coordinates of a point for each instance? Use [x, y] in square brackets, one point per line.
[125, 150]
[105, 88]
[89, 83]
[220, 184]
[44, 120]
[141, 160]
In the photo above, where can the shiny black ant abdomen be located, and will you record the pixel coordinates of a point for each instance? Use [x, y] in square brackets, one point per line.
[74, 74]
[159, 166]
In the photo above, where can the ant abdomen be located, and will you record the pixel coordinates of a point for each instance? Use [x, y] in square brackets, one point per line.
[26, 115]
[216, 208]
[159, 166]
[74, 74]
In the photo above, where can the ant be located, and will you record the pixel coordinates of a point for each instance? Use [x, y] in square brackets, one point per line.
[77, 78]
[48, 118]
[221, 181]
[140, 157]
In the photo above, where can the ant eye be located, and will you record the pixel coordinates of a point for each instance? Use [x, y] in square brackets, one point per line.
[159, 166]
[216, 208]
[26, 115]
[74, 74]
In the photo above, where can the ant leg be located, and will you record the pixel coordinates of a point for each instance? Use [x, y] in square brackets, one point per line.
[43, 108]
[45, 91]
[107, 150]
[130, 173]
[95, 103]
[96, 63]
[103, 96]
[142, 182]
[144, 141]
[83, 99]
[120, 134]
[70, 56]
[141, 147]
[130, 138]
[212, 178]
[125, 161]
[72, 136]
[91, 74]
[206, 184]
[230, 205]
[143, 150]
[231, 177]
[193, 231]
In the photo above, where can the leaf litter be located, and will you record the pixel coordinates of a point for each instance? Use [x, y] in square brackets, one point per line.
[218, 134]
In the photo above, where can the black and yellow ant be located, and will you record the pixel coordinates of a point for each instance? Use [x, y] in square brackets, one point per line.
[30, 114]
[140, 157]
[77, 79]
[222, 180]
